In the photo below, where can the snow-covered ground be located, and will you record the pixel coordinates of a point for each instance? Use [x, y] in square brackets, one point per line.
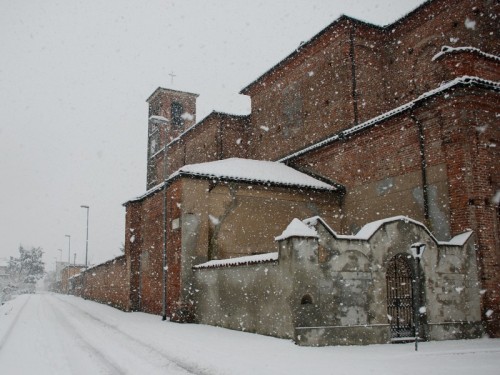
[58, 334]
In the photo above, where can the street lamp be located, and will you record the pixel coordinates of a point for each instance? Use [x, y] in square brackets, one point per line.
[87, 240]
[69, 248]
[417, 250]
[160, 120]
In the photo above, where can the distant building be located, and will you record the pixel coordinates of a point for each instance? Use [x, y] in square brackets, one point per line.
[67, 273]
[4, 278]
[4, 265]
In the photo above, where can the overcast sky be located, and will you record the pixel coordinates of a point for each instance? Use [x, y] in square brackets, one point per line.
[74, 77]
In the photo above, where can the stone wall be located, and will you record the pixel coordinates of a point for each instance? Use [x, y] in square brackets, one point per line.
[332, 290]
[250, 298]
[346, 279]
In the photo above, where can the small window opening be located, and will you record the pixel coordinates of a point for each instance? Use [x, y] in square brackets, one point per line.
[306, 300]
[176, 112]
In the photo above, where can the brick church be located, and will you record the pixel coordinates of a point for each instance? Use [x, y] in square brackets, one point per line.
[297, 220]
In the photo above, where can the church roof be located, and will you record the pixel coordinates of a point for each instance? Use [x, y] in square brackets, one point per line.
[250, 171]
[170, 91]
[253, 171]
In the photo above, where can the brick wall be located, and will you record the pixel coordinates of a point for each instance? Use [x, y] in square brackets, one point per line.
[473, 158]
[353, 71]
[107, 283]
[144, 250]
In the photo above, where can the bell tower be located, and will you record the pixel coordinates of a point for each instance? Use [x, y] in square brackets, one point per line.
[171, 113]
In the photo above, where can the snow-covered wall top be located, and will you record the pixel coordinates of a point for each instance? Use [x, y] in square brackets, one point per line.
[240, 261]
[305, 228]
[297, 228]
[368, 230]
[447, 49]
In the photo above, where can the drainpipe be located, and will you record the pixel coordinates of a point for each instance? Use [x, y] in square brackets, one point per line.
[164, 256]
[219, 141]
[164, 123]
[423, 165]
[353, 74]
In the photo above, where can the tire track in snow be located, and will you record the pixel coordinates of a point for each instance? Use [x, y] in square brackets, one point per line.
[4, 339]
[185, 367]
[110, 365]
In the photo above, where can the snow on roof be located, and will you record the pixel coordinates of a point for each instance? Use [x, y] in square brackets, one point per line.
[458, 240]
[447, 49]
[297, 228]
[154, 189]
[463, 80]
[240, 261]
[369, 230]
[75, 276]
[158, 119]
[255, 171]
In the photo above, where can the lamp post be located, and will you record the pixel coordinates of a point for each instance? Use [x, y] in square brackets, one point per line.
[69, 248]
[417, 250]
[87, 237]
[160, 120]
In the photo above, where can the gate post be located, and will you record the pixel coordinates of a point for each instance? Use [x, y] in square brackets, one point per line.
[417, 250]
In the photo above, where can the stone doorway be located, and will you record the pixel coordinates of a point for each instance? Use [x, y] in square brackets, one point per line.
[400, 306]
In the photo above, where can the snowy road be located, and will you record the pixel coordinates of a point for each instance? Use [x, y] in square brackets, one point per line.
[57, 334]
[50, 335]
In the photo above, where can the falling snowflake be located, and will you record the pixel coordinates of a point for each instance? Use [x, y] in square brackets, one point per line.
[214, 220]
[470, 24]
[481, 129]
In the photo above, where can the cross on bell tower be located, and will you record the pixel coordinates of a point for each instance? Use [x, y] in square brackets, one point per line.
[172, 75]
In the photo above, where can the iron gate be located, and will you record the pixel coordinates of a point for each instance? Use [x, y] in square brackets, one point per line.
[400, 297]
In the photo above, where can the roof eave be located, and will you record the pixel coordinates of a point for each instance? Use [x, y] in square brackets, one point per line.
[171, 90]
[335, 187]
